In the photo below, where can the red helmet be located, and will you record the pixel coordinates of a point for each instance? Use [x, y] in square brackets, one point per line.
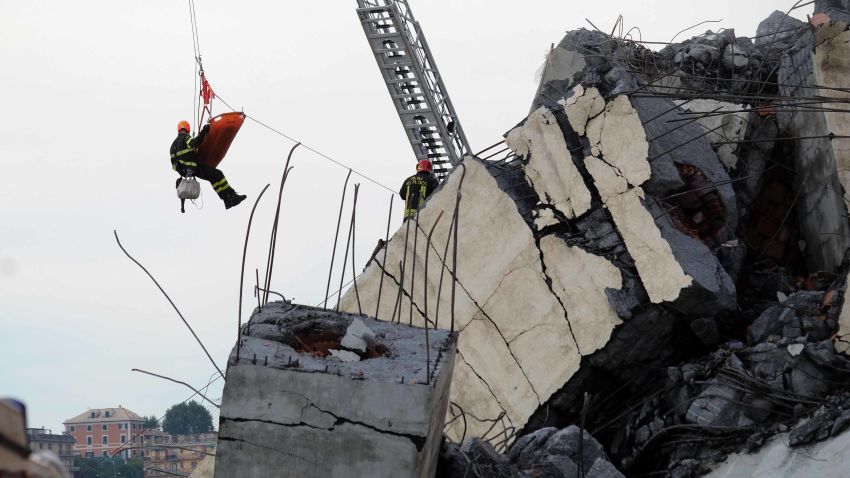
[424, 165]
[184, 125]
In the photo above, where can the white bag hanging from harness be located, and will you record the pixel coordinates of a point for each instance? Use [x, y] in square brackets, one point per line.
[188, 188]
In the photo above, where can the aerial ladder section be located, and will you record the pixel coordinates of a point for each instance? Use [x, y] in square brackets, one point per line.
[414, 83]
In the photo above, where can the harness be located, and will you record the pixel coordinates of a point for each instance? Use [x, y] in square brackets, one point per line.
[410, 211]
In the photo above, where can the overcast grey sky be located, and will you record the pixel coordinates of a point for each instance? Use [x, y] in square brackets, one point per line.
[91, 94]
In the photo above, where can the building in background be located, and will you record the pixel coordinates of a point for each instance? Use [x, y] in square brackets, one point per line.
[62, 445]
[166, 456]
[103, 431]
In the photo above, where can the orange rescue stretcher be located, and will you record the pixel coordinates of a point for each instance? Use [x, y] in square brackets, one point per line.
[223, 129]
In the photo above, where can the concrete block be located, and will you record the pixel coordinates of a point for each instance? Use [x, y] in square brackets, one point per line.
[299, 413]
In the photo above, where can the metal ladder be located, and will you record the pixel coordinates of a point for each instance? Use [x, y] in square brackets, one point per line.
[414, 83]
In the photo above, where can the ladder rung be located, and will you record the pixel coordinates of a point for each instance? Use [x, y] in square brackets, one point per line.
[397, 64]
[383, 35]
[408, 95]
[417, 112]
[385, 8]
[423, 126]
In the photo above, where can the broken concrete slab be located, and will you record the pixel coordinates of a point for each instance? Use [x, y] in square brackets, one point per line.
[295, 412]
[508, 316]
[550, 169]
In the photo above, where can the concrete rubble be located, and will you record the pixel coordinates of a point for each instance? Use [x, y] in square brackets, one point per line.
[653, 273]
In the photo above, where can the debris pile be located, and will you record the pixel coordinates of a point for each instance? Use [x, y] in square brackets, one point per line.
[658, 252]
[545, 453]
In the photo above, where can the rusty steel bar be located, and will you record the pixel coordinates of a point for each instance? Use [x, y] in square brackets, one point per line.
[170, 301]
[413, 270]
[443, 270]
[242, 272]
[336, 238]
[178, 381]
[403, 263]
[345, 256]
[273, 240]
[425, 294]
[384, 262]
[396, 306]
[454, 244]
[353, 233]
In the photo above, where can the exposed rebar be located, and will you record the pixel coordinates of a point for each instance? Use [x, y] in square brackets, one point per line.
[425, 294]
[181, 383]
[273, 240]
[336, 238]
[413, 269]
[384, 262]
[347, 244]
[171, 302]
[242, 272]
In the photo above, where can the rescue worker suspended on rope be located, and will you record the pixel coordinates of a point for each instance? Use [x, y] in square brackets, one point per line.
[184, 160]
[417, 188]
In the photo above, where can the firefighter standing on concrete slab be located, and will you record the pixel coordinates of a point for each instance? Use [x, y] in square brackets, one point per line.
[184, 160]
[417, 188]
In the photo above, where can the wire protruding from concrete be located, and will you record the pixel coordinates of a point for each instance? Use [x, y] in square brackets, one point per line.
[181, 383]
[425, 287]
[242, 272]
[336, 238]
[169, 301]
[273, 240]
[386, 248]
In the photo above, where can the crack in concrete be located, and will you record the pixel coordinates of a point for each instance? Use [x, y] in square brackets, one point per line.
[548, 281]
[418, 441]
[507, 415]
[480, 309]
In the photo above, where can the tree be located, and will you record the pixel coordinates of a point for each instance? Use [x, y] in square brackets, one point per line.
[151, 422]
[99, 467]
[188, 417]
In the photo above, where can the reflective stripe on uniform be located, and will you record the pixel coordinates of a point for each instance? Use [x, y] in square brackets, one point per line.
[410, 211]
[221, 185]
[188, 149]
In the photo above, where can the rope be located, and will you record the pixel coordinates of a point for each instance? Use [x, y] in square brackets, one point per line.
[196, 48]
[319, 153]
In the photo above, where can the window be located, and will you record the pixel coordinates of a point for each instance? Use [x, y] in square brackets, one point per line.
[89, 454]
[106, 453]
[92, 415]
[105, 439]
[107, 414]
[104, 427]
[88, 440]
[71, 428]
[88, 428]
[123, 439]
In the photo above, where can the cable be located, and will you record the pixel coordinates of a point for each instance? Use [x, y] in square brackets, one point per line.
[323, 155]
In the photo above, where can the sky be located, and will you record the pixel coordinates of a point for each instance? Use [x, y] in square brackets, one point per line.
[92, 91]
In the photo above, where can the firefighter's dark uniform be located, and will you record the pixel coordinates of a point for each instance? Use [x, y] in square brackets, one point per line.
[416, 190]
[184, 160]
